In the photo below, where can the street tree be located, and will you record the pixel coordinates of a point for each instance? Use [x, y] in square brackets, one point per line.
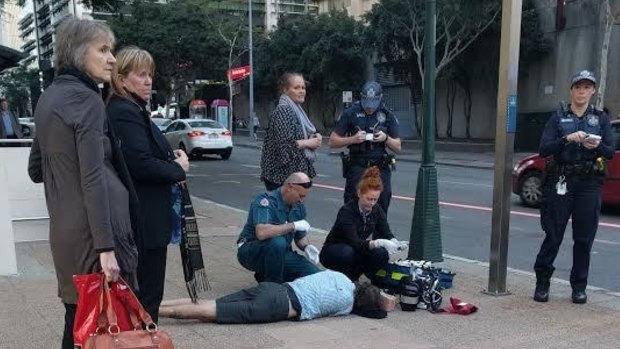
[326, 49]
[480, 62]
[180, 39]
[608, 24]
[232, 29]
[20, 86]
[396, 30]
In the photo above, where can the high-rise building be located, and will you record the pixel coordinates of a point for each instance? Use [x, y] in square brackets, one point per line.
[355, 8]
[266, 13]
[46, 16]
[29, 40]
[9, 35]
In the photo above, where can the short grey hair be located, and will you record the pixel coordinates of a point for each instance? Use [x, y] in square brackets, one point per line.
[72, 39]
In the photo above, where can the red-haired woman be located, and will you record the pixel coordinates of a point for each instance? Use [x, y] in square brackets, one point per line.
[348, 248]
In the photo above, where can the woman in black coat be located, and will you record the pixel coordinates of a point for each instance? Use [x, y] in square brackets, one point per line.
[153, 165]
[361, 240]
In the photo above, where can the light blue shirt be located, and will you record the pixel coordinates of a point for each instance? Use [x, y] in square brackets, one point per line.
[326, 293]
[8, 128]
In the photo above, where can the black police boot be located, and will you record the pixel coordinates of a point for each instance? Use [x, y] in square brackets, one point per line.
[541, 294]
[579, 297]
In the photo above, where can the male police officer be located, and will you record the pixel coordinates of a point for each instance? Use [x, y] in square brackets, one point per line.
[579, 139]
[275, 219]
[368, 129]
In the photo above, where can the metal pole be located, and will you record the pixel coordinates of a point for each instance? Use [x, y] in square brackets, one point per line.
[250, 28]
[504, 143]
[425, 238]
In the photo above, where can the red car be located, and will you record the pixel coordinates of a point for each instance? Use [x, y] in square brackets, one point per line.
[527, 176]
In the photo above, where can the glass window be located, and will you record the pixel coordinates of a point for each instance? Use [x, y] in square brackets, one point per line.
[205, 123]
[171, 127]
[180, 126]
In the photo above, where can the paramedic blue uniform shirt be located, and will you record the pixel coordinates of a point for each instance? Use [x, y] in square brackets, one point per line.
[269, 208]
[273, 259]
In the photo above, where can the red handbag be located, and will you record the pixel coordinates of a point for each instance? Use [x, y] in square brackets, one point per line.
[109, 335]
[90, 290]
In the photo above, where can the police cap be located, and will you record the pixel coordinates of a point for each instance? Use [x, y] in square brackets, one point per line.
[581, 76]
[371, 95]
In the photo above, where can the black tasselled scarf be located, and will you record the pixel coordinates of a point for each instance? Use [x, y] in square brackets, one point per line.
[194, 271]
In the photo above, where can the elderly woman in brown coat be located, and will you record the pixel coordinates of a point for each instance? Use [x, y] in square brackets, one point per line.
[74, 155]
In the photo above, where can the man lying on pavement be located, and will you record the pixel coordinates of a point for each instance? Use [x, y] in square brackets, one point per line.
[326, 293]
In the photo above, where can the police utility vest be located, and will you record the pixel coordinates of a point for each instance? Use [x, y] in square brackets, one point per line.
[360, 121]
[575, 153]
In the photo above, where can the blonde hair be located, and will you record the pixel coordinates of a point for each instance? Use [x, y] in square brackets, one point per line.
[286, 80]
[128, 59]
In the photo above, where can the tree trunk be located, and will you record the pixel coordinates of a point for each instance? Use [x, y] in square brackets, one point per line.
[450, 99]
[602, 86]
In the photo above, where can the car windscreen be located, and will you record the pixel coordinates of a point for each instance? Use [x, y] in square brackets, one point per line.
[205, 123]
[161, 121]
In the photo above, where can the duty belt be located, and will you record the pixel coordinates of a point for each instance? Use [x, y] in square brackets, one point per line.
[578, 169]
[369, 162]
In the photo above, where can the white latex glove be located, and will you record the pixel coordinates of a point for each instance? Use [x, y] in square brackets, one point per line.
[301, 225]
[390, 246]
[312, 253]
[402, 244]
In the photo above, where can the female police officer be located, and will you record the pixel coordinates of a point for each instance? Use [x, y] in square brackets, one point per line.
[579, 140]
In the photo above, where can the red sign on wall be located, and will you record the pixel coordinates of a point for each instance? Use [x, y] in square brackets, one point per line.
[238, 73]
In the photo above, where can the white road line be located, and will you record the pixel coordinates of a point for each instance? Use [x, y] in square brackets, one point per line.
[235, 182]
[470, 207]
[607, 242]
[250, 166]
[468, 184]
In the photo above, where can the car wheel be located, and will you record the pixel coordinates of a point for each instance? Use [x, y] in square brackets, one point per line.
[226, 154]
[531, 189]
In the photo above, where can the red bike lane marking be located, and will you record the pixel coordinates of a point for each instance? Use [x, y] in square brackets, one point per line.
[465, 206]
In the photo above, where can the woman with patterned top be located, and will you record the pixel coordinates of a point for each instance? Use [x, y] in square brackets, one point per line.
[291, 139]
[327, 293]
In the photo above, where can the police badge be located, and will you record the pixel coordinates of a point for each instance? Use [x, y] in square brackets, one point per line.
[592, 120]
[380, 117]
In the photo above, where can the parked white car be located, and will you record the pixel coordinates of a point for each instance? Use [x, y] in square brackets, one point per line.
[199, 136]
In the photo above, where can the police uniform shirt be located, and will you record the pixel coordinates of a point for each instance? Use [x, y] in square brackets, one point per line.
[563, 123]
[354, 119]
[269, 208]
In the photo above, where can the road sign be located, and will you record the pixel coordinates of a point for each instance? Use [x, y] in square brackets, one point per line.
[238, 73]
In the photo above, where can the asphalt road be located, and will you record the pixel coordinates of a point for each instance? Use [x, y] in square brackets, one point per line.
[465, 196]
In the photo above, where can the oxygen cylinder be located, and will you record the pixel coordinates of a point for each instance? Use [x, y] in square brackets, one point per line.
[409, 294]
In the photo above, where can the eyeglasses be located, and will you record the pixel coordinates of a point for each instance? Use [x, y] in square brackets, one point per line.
[306, 185]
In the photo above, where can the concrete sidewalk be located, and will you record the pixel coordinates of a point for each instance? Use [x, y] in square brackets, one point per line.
[461, 154]
[31, 315]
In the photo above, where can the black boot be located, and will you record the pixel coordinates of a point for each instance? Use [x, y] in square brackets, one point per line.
[541, 294]
[579, 297]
